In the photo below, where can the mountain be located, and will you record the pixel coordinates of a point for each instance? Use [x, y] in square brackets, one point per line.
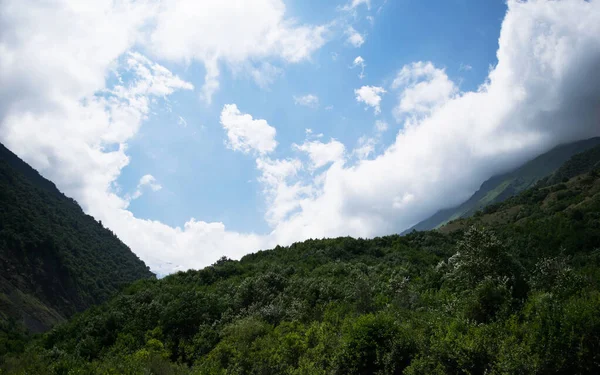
[581, 163]
[499, 188]
[54, 259]
[514, 289]
[570, 190]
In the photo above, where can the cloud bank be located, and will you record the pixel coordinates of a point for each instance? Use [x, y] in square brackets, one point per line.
[60, 114]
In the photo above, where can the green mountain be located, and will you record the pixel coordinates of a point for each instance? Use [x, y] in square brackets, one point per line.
[54, 259]
[511, 290]
[499, 188]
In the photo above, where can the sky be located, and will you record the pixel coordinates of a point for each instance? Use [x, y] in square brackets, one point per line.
[201, 129]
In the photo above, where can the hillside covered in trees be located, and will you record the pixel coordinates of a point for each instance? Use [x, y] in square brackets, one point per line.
[499, 188]
[54, 259]
[512, 290]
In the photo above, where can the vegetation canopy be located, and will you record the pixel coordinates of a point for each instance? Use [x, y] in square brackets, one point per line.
[514, 289]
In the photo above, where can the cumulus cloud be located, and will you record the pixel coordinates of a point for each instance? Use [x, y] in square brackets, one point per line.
[283, 196]
[309, 100]
[245, 133]
[539, 95]
[542, 92]
[214, 32]
[424, 88]
[321, 154]
[149, 180]
[354, 38]
[371, 96]
[59, 114]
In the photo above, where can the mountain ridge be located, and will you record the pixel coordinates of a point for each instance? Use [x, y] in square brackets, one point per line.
[500, 187]
[55, 260]
[513, 289]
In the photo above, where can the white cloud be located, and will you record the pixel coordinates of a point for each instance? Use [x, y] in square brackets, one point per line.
[287, 193]
[283, 197]
[150, 181]
[182, 122]
[239, 32]
[366, 147]
[367, 144]
[309, 100]
[544, 91]
[424, 88]
[531, 102]
[215, 31]
[465, 67]
[381, 126]
[321, 154]
[355, 3]
[146, 181]
[371, 96]
[245, 133]
[154, 79]
[360, 62]
[265, 74]
[354, 37]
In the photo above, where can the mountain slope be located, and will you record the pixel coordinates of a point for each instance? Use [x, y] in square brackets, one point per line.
[499, 188]
[570, 190]
[513, 290]
[581, 163]
[54, 259]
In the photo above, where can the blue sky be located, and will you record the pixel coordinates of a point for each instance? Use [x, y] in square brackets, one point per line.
[202, 178]
[201, 129]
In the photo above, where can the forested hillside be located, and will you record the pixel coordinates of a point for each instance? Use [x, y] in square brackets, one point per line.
[513, 290]
[54, 259]
[499, 188]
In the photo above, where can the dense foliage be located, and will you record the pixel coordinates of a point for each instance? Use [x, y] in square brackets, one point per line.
[513, 290]
[54, 260]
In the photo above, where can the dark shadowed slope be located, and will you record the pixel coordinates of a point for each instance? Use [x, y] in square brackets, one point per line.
[499, 188]
[54, 259]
